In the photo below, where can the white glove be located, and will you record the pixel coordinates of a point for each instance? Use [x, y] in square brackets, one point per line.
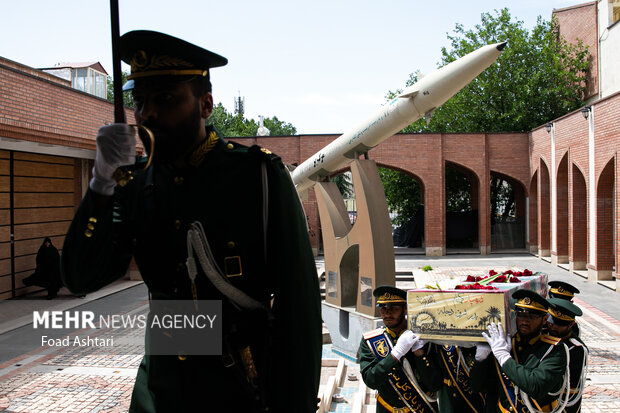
[499, 345]
[482, 351]
[116, 146]
[404, 343]
[418, 344]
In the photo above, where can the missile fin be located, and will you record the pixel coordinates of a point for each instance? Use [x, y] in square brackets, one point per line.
[408, 94]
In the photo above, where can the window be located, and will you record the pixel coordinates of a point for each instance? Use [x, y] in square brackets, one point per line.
[89, 81]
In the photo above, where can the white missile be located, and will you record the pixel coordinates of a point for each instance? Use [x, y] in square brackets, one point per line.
[417, 101]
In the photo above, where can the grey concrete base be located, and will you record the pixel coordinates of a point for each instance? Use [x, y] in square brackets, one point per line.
[544, 253]
[485, 249]
[534, 249]
[576, 265]
[596, 275]
[346, 326]
[559, 259]
[435, 251]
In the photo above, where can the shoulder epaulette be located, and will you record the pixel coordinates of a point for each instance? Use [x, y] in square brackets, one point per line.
[373, 333]
[575, 342]
[263, 152]
[545, 338]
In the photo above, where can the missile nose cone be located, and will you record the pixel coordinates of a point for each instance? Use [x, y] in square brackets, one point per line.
[501, 46]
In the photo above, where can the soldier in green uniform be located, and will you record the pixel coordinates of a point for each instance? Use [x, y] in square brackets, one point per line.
[527, 370]
[561, 289]
[402, 370]
[255, 228]
[561, 319]
[456, 394]
[564, 291]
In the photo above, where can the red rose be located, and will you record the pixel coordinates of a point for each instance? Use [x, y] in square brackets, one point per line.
[527, 273]
[470, 278]
[514, 280]
[492, 272]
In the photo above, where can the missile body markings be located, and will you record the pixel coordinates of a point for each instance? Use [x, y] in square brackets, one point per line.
[417, 101]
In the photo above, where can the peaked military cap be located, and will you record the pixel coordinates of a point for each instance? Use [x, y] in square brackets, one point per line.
[157, 54]
[563, 311]
[529, 301]
[386, 294]
[563, 290]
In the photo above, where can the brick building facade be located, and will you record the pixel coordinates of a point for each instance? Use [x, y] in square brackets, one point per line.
[565, 178]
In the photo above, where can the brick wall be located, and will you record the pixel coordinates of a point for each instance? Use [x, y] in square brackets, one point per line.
[39, 107]
[579, 23]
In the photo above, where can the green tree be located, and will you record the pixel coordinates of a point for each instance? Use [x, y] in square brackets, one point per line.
[236, 125]
[402, 193]
[127, 97]
[538, 77]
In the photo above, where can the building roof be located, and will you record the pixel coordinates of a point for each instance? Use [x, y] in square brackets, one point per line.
[78, 65]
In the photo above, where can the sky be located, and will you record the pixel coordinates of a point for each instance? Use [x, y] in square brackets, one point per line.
[322, 65]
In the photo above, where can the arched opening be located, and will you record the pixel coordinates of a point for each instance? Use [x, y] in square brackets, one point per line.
[507, 213]
[579, 225]
[605, 234]
[544, 212]
[462, 191]
[561, 223]
[404, 194]
[533, 214]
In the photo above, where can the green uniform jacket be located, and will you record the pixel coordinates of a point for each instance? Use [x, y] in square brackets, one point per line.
[577, 353]
[375, 373]
[149, 220]
[449, 397]
[536, 378]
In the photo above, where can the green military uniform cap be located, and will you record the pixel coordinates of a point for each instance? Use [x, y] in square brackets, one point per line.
[529, 301]
[563, 311]
[560, 289]
[386, 294]
[152, 54]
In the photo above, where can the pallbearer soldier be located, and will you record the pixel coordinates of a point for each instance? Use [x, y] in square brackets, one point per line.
[456, 395]
[396, 362]
[560, 289]
[527, 371]
[249, 244]
[564, 291]
[561, 319]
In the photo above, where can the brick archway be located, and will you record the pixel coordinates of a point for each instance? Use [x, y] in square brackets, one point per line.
[510, 232]
[605, 254]
[415, 229]
[561, 250]
[544, 210]
[459, 226]
[533, 214]
[578, 247]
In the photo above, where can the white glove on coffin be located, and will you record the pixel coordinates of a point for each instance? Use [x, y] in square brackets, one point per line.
[404, 344]
[482, 351]
[499, 345]
[116, 146]
[418, 344]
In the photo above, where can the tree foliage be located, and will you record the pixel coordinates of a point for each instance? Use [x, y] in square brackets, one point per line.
[127, 97]
[232, 125]
[402, 193]
[228, 124]
[538, 77]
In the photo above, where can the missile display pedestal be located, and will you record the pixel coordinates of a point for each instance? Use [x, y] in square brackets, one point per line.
[358, 257]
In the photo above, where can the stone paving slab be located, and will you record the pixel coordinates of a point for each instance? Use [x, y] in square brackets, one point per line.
[93, 380]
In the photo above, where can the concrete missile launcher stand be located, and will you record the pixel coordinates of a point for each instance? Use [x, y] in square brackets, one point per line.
[358, 257]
